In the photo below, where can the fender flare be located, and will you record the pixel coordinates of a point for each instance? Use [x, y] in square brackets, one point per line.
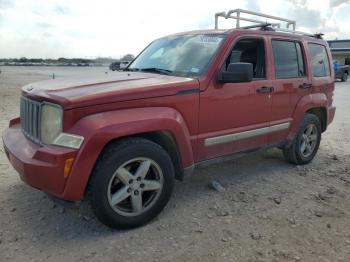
[101, 128]
[306, 103]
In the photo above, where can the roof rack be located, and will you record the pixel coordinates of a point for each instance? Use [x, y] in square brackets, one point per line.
[237, 14]
[263, 25]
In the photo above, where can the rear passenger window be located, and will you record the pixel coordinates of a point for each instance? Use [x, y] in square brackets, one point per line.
[288, 58]
[319, 60]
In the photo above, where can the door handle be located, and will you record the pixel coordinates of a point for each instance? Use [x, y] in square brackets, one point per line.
[265, 90]
[305, 86]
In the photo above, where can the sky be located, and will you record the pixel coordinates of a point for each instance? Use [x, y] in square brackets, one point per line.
[113, 28]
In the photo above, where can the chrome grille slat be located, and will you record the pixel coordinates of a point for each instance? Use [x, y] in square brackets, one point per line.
[30, 118]
[30, 121]
[25, 114]
[27, 118]
[35, 121]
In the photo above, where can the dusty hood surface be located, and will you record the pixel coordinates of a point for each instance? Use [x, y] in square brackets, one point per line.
[107, 88]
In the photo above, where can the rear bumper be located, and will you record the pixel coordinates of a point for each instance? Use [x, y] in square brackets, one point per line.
[330, 114]
[38, 166]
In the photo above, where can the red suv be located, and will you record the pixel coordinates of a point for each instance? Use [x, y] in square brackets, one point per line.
[121, 139]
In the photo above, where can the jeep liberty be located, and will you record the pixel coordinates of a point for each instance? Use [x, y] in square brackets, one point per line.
[120, 140]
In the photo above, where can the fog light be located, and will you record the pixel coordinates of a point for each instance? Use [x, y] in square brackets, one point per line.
[67, 167]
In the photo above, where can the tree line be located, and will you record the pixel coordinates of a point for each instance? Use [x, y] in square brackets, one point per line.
[64, 61]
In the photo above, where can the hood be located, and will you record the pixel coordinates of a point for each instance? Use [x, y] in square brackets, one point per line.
[107, 88]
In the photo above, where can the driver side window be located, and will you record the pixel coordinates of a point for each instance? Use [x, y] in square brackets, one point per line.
[250, 50]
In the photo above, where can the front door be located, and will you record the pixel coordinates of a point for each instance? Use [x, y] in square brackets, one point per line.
[234, 117]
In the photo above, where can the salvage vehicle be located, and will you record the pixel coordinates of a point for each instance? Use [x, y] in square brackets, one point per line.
[342, 72]
[114, 66]
[188, 99]
[118, 65]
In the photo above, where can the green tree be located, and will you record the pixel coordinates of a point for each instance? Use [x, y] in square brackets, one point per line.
[23, 59]
[127, 57]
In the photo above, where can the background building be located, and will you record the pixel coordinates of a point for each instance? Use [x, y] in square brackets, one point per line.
[340, 50]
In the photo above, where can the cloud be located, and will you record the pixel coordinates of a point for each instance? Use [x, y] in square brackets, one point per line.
[310, 15]
[61, 10]
[253, 5]
[57, 28]
[47, 34]
[305, 17]
[5, 4]
[44, 25]
[335, 3]
[302, 3]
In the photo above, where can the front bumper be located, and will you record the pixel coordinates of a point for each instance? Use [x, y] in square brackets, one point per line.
[38, 166]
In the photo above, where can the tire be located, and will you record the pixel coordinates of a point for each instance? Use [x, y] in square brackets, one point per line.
[127, 167]
[345, 77]
[306, 143]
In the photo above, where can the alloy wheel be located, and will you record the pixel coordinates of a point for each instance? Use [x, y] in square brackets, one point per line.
[308, 140]
[135, 186]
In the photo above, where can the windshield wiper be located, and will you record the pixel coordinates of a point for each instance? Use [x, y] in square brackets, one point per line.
[153, 70]
[130, 69]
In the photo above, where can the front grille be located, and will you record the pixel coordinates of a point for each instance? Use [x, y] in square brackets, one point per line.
[30, 119]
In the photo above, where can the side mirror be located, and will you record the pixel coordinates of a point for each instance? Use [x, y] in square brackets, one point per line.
[236, 73]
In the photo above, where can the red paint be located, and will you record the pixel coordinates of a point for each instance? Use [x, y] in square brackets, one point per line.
[128, 103]
[40, 167]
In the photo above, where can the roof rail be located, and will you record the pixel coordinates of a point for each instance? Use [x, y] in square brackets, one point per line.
[237, 15]
[317, 35]
[264, 26]
[261, 24]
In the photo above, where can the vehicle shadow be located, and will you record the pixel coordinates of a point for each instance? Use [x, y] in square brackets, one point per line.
[53, 221]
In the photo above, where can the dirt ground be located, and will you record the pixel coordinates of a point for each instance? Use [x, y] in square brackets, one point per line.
[270, 210]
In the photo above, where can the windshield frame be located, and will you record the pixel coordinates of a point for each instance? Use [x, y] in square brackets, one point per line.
[189, 74]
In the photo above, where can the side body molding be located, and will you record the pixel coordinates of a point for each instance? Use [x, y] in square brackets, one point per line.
[99, 129]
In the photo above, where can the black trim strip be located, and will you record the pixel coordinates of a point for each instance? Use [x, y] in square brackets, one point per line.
[188, 91]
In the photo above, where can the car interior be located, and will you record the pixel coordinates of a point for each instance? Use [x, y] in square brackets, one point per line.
[250, 51]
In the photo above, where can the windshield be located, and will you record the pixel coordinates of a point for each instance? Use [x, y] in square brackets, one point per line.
[185, 55]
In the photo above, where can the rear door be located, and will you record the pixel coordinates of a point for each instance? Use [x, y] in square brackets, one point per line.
[292, 82]
[234, 117]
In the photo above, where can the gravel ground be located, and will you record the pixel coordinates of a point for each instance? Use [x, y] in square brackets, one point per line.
[270, 210]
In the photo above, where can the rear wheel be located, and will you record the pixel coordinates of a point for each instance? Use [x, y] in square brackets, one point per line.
[131, 184]
[345, 77]
[306, 143]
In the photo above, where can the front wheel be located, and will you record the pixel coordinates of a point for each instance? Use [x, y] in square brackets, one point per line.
[306, 143]
[131, 184]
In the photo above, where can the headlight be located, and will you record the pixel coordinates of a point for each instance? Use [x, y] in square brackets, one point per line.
[51, 123]
[51, 128]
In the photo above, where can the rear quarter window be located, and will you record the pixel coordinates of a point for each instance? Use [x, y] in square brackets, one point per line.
[319, 60]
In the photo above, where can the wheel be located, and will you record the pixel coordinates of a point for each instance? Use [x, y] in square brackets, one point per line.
[131, 183]
[345, 77]
[306, 143]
